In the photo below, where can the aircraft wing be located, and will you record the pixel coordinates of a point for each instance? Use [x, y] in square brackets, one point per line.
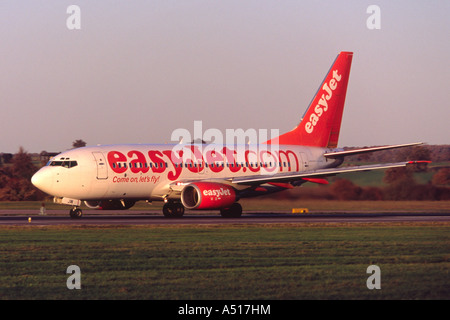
[295, 176]
[339, 154]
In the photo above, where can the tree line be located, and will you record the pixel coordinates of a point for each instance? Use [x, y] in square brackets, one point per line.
[15, 179]
[16, 172]
[399, 183]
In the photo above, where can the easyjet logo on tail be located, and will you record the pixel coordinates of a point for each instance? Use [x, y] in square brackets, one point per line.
[322, 105]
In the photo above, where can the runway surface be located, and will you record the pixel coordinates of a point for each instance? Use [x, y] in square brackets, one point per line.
[60, 217]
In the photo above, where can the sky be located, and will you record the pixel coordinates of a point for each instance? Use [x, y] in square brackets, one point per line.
[135, 71]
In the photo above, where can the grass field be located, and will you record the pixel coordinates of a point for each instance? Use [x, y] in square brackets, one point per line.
[348, 206]
[304, 261]
[375, 178]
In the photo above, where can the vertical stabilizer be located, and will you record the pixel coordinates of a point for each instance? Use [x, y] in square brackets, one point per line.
[321, 123]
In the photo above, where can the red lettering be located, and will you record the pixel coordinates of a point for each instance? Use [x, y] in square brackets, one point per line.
[120, 180]
[269, 165]
[287, 159]
[158, 163]
[139, 164]
[176, 163]
[196, 161]
[212, 157]
[114, 160]
[251, 168]
[231, 160]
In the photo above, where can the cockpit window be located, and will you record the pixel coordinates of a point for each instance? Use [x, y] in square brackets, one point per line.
[65, 164]
[69, 164]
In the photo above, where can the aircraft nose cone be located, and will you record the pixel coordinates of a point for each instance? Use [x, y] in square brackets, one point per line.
[42, 180]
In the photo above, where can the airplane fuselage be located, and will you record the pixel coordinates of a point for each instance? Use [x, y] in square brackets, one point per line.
[150, 172]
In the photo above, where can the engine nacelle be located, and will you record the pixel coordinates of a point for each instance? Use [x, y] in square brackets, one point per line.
[207, 195]
[110, 204]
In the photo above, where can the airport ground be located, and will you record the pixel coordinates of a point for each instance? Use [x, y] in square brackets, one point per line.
[276, 261]
[257, 205]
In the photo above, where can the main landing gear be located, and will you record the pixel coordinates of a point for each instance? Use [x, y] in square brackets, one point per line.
[75, 213]
[176, 210]
[234, 211]
[173, 210]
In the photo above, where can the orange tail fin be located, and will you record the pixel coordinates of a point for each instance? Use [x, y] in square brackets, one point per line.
[320, 125]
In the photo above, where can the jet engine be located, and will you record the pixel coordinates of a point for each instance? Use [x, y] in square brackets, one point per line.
[207, 195]
[110, 204]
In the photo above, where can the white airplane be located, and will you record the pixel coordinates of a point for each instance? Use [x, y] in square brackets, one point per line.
[199, 176]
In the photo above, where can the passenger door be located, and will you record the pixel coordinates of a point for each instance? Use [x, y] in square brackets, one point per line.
[102, 170]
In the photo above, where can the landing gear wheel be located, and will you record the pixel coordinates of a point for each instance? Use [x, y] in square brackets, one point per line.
[234, 211]
[75, 213]
[173, 210]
